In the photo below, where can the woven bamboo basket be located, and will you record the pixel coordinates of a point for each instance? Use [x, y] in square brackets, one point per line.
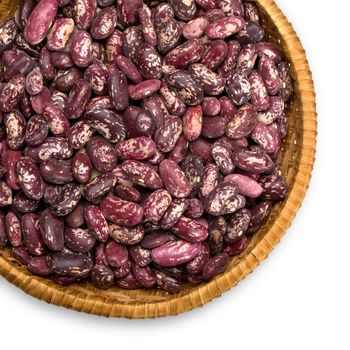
[296, 162]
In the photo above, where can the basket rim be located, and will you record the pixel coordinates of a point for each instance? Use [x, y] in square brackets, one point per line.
[204, 293]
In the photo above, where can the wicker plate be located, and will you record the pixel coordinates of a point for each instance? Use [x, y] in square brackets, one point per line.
[296, 163]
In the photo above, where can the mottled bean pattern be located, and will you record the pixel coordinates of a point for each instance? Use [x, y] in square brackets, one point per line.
[139, 139]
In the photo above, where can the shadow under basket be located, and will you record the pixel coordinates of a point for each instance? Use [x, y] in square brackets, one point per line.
[296, 163]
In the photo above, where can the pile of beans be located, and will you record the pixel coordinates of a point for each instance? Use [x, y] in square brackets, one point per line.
[138, 138]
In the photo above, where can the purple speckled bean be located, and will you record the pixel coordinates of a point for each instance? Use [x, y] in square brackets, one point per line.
[175, 253]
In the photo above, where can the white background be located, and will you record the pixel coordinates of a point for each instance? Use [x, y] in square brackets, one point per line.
[299, 297]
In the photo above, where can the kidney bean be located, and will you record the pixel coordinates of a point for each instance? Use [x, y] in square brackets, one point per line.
[212, 83]
[108, 123]
[175, 253]
[194, 209]
[84, 11]
[271, 51]
[128, 11]
[162, 13]
[246, 59]
[266, 136]
[144, 275]
[174, 179]
[138, 148]
[23, 204]
[237, 225]
[128, 68]
[148, 30]
[66, 79]
[34, 82]
[59, 34]
[101, 154]
[238, 87]
[168, 134]
[182, 56]
[81, 48]
[215, 266]
[20, 65]
[78, 99]
[243, 123]
[187, 88]
[102, 276]
[13, 229]
[222, 156]
[246, 185]
[154, 104]
[193, 170]
[145, 124]
[55, 147]
[21, 254]
[97, 75]
[72, 265]
[180, 150]
[168, 36]
[259, 214]
[29, 178]
[192, 123]
[274, 187]
[169, 284]
[114, 46]
[209, 180]
[67, 199]
[196, 266]
[58, 172]
[224, 27]
[81, 167]
[252, 161]
[121, 212]
[50, 193]
[79, 134]
[128, 282]
[259, 95]
[75, 218]
[251, 11]
[15, 125]
[139, 255]
[274, 111]
[24, 10]
[229, 63]
[286, 89]
[132, 39]
[25, 106]
[11, 92]
[45, 64]
[156, 204]
[144, 89]
[154, 239]
[129, 118]
[8, 33]
[195, 28]
[149, 62]
[58, 123]
[211, 106]
[172, 101]
[104, 23]
[213, 127]
[120, 272]
[39, 21]
[39, 266]
[96, 223]
[190, 230]
[3, 235]
[103, 102]
[184, 10]
[251, 33]
[217, 229]
[127, 193]
[231, 7]
[236, 247]
[51, 228]
[223, 199]
[78, 240]
[126, 235]
[98, 187]
[269, 73]
[175, 210]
